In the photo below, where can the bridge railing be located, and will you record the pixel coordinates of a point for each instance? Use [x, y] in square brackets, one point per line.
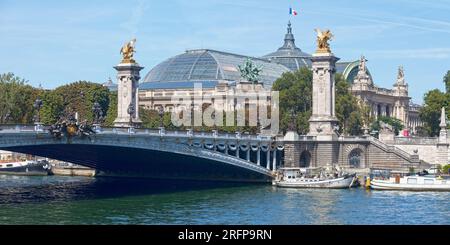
[17, 127]
[145, 131]
[354, 138]
[186, 133]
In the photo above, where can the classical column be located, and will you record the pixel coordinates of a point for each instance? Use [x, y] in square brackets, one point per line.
[268, 158]
[128, 83]
[323, 119]
[443, 144]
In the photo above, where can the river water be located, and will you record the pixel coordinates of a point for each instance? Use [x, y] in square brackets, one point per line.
[80, 200]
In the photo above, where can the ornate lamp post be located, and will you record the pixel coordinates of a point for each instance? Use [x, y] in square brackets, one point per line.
[98, 116]
[161, 123]
[38, 105]
[161, 115]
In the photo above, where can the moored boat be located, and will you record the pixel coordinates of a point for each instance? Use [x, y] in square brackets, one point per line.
[314, 178]
[411, 183]
[26, 167]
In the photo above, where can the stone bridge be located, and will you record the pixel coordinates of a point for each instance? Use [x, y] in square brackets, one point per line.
[155, 153]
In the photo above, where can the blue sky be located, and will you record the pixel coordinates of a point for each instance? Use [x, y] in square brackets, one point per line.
[57, 42]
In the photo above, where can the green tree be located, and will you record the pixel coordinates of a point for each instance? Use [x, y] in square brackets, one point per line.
[295, 90]
[16, 99]
[52, 107]
[296, 100]
[80, 97]
[348, 110]
[152, 119]
[111, 114]
[447, 82]
[430, 113]
[396, 124]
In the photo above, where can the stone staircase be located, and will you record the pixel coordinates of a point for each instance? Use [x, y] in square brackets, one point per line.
[406, 162]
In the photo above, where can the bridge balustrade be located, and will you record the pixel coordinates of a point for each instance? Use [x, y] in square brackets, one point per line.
[215, 142]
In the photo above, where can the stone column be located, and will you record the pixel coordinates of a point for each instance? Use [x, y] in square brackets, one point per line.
[443, 144]
[323, 118]
[128, 82]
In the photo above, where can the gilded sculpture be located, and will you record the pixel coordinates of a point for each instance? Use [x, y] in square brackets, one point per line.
[127, 52]
[322, 41]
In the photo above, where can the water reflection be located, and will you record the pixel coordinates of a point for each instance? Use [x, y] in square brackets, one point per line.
[24, 189]
[77, 200]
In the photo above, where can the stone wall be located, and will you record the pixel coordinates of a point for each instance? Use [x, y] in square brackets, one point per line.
[372, 154]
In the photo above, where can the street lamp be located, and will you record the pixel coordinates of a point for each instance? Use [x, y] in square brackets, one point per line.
[38, 105]
[161, 114]
[98, 115]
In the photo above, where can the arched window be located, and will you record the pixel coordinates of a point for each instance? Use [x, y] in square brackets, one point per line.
[305, 159]
[354, 158]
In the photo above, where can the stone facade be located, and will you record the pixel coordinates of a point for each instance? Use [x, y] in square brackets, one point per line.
[385, 102]
[348, 152]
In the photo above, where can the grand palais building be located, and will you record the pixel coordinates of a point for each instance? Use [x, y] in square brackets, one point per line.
[218, 73]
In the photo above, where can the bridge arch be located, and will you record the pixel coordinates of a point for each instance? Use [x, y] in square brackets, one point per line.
[305, 159]
[168, 154]
[356, 158]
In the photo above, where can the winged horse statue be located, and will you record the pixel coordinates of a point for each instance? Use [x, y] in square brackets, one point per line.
[322, 40]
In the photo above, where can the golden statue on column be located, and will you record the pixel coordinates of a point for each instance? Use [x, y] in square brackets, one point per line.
[127, 52]
[322, 41]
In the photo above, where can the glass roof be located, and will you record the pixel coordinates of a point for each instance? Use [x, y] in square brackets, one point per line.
[205, 64]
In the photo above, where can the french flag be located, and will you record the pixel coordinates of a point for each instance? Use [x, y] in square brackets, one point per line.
[292, 11]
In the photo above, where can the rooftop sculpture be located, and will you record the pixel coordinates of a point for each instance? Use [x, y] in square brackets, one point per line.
[249, 71]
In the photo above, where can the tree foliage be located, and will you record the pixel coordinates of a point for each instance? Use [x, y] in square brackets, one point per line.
[111, 114]
[447, 82]
[80, 97]
[296, 100]
[349, 111]
[16, 99]
[396, 124]
[295, 90]
[430, 113]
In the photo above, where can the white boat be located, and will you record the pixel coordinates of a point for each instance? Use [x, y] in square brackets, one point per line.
[25, 167]
[314, 178]
[411, 183]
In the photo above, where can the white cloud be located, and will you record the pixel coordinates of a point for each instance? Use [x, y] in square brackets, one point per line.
[132, 24]
[427, 53]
